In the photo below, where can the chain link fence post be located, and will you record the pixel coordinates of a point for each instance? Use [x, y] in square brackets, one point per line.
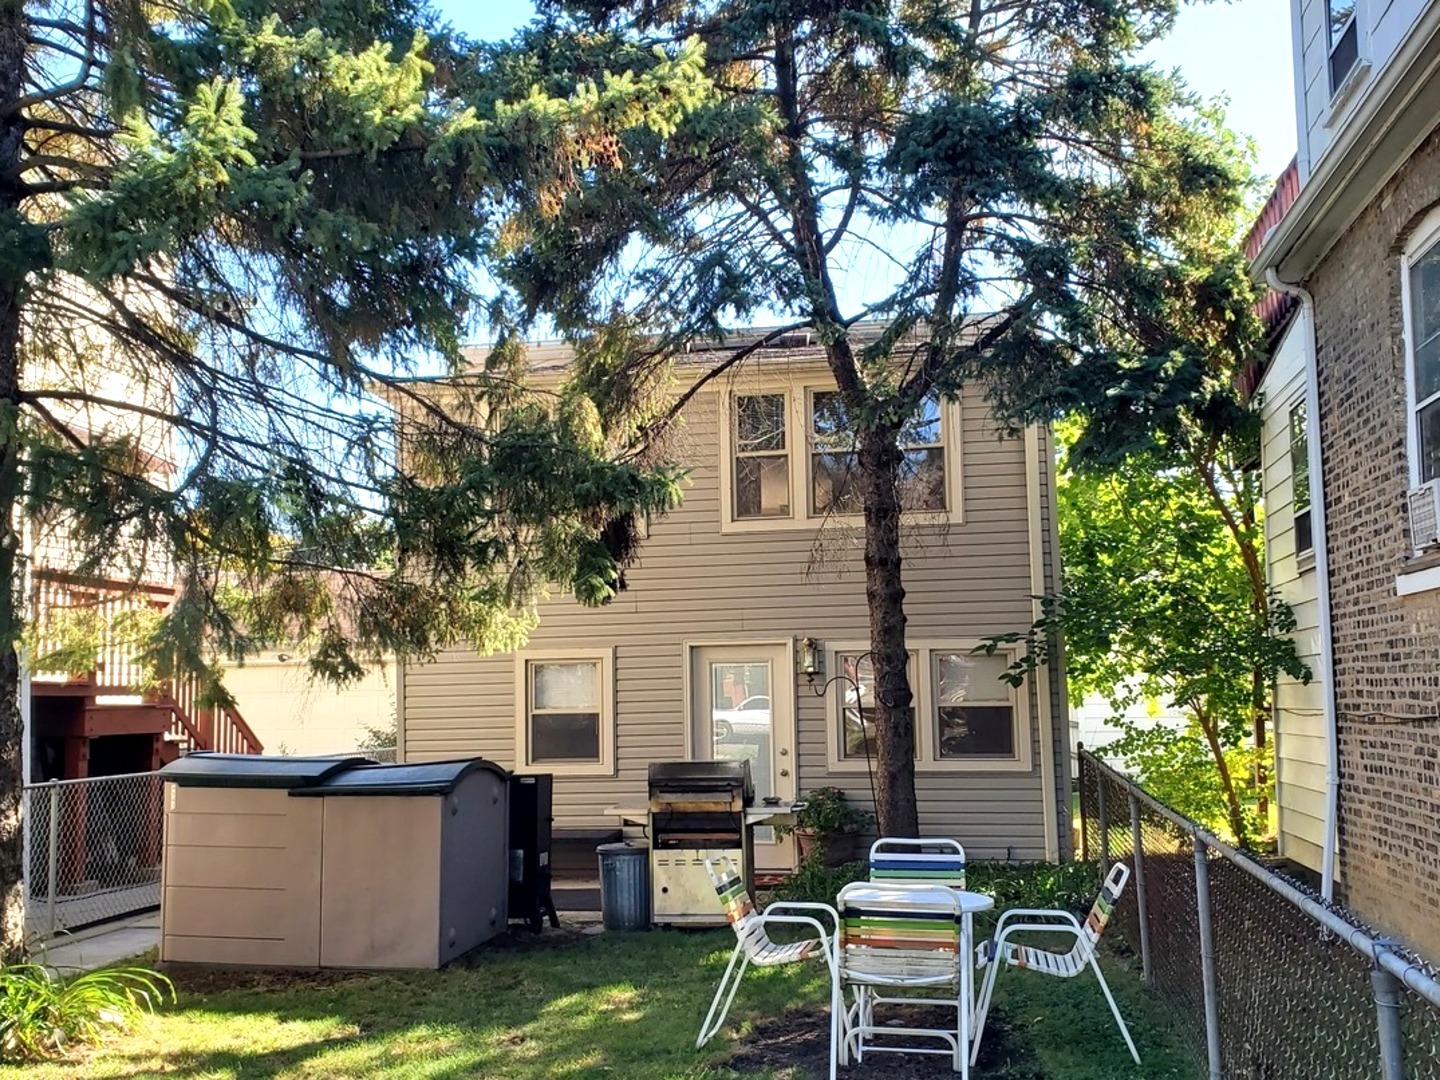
[1142, 907]
[1084, 787]
[1207, 959]
[52, 857]
[1386, 989]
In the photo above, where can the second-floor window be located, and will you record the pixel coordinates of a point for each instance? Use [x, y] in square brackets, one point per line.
[1300, 478]
[792, 457]
[1421, 280]
[1344, 38]
[762, 456]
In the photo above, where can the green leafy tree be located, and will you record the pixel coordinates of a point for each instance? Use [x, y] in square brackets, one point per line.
[1164, 600]
[1016, 176]
[221, 223]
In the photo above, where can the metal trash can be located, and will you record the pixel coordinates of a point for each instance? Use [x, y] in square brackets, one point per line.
[625, 885]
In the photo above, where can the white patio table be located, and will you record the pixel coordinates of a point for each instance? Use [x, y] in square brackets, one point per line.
[873, 917]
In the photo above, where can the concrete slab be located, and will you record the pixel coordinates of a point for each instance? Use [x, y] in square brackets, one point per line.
[101, 947]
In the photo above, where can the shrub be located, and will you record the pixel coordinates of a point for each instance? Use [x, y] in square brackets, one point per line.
[1069, 886]
[43, 1015]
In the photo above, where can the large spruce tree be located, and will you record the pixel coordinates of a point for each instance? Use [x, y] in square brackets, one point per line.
[998, 178]
[221, 223]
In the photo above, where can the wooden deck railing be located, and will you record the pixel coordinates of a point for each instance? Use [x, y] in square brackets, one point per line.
[115, 668]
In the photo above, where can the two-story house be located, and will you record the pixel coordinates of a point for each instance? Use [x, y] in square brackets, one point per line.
[1359, 250]
[698, 657]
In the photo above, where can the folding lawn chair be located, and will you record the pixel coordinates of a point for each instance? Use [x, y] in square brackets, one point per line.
[753, 946]
[929, 862]
[1000, 951]
[902, 936]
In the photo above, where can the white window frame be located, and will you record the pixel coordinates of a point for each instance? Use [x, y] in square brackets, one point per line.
[799, 393]
[1425, 237]
[605, 658]
[928, 759]
[1340, 91]
[1304, 557]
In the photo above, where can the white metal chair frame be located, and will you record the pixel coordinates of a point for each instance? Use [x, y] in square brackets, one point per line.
[753, 946]
[860, 1014]
[1001, 952]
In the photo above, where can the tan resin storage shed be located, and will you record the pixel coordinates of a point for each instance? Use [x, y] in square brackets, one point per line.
[373, 866]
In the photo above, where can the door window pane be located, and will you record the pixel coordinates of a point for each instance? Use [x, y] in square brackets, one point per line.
[975, 712]
[564, 711]
[742, 724]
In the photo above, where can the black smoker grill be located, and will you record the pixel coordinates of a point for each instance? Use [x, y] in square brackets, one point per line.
[697, 812]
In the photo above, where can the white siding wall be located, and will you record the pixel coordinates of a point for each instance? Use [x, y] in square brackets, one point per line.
[1299, 715]
[692, 583]
[292, 714]
[1383, 25]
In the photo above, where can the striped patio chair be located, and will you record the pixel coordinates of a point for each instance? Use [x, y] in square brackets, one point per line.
[932, 862]
[1001, 952]
[901, 935]
[753, 946]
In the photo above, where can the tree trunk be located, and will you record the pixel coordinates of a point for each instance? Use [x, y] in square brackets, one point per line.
[1227, 782]
[12, 280]
[879, 460]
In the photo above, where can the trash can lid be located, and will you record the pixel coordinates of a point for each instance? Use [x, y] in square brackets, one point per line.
[205, 769]
[639, 847]
[426, 778]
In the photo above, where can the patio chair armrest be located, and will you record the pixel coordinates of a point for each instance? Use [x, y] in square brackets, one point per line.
[799, 905]
[1066, 919]
[828, 937]
[1038, 928]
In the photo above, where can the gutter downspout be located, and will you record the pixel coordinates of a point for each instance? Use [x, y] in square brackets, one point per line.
[1322, 578]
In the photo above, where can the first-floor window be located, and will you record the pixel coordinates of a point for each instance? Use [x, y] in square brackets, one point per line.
[859, 713]
[1423, 296]
[566, 718]
[974, 710]
[967, 715]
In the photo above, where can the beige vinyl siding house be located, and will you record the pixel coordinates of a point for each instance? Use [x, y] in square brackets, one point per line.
[1300, 730]
[728, 585]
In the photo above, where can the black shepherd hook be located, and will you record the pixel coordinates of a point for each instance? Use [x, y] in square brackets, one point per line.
[824, 687]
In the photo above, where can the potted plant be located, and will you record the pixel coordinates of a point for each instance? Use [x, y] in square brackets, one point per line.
[828, 827]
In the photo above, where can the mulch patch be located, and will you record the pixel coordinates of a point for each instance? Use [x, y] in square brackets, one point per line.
[799, 1042]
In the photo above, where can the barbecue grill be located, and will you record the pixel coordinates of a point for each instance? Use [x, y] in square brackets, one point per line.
[697, 812]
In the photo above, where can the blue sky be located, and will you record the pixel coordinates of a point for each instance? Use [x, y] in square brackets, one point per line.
[1239, 50]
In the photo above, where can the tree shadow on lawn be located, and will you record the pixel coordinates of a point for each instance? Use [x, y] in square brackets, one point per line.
[561, 1005]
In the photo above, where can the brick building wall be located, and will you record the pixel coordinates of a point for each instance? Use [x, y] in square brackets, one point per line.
[1387, 647]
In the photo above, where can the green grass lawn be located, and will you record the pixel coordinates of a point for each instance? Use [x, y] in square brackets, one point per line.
[616, 1006]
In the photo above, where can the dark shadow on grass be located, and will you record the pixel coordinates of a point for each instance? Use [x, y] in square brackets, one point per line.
[800, 1040]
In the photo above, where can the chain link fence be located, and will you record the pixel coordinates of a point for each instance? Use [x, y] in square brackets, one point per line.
[1267, 981]
[92, 850]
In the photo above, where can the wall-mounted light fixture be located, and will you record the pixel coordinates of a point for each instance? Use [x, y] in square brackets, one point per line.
[809, 660]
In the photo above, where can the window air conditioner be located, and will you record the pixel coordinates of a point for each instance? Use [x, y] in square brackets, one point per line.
[1424, 505]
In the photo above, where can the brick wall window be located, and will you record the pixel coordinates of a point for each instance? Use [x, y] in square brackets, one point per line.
[1420, 283]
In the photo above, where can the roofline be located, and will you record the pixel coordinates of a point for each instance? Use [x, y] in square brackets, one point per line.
[1386, 124]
